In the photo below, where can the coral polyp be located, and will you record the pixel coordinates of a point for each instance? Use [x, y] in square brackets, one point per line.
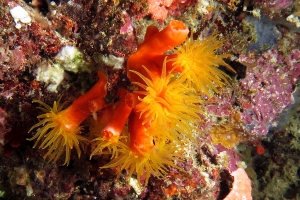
[60, 129]
[165, 100]
[59, 135]
[155, 161]
[199, 64]
[108, 145]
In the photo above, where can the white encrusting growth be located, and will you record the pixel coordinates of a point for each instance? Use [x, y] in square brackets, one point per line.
[20, 16]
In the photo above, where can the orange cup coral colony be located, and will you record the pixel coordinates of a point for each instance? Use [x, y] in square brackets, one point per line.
[161, 114]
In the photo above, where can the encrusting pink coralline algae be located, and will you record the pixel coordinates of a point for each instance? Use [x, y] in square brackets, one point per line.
[267, 88]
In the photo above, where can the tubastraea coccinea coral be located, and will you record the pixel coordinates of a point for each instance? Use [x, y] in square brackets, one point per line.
[162, 113]
[59, 130]
[166, 111]
[169, 90]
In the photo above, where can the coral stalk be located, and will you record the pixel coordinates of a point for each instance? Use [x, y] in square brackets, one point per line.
[152, 49]
[140, 139]
[110, 134]
[119, 116]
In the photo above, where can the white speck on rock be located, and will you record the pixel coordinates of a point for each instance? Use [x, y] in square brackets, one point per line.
[52, 75]
[113, 61]
[20, 16]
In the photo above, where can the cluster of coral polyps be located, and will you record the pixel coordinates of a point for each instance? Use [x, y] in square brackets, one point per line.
[161, 113]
